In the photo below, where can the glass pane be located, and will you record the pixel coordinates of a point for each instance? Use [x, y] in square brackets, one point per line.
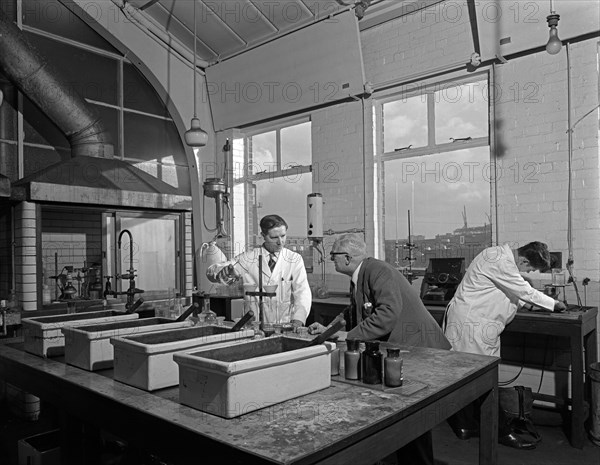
[296, 147]
[52, 16]
[9, 161]
[10, 9]
[148, 138]
[461, 111]
[89, 75]
[263, 155]
[8, 110]
[285, 197]
[405, 123]
[6, 249]
[154, 252]
[71, 237]
[110, 119]
[138, 94]
[448, 196]
[39, 129]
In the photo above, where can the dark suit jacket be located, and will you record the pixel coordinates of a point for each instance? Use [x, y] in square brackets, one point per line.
[396, 313]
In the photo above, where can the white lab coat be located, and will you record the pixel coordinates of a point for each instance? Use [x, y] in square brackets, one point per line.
[293, 298]
[486, 300]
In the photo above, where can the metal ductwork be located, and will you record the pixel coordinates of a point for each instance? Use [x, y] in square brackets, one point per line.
[43, 85]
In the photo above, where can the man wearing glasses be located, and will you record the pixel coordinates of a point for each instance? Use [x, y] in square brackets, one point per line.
[384, 306]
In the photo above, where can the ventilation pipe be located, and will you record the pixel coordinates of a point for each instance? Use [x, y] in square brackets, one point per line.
[22, 65]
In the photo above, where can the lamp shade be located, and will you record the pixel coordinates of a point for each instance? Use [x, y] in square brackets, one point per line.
[196, 136]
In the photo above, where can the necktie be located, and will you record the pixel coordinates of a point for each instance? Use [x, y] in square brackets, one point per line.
[271, 262]
[352, 312]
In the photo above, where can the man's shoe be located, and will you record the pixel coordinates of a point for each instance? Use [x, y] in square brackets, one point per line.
[465, 433]
[512, 440]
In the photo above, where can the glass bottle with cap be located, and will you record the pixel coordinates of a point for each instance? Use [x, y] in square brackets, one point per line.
[372, 363]
[352, 359]
[393, 367]
[335, 359]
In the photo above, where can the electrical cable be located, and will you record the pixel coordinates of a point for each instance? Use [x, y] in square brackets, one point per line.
[543, 364]
[512, 380]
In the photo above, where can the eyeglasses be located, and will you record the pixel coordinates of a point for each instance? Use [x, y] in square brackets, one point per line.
[333, 254]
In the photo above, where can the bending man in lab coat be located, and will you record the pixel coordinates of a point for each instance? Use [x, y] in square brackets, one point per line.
[293, 297]
[490, 293]
[486, 300]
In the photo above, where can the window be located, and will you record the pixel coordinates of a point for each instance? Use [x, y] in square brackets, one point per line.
[434, 172]
[272, 175]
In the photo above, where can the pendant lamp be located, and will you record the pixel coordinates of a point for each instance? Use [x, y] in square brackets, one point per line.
[195, 136]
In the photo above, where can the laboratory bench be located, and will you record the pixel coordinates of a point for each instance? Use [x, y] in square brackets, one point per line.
[579, 328]
[343, 423]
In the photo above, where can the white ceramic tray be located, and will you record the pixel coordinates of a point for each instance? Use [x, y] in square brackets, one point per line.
[146, 360]
[89, 346]
[233, 380]
[43, 335]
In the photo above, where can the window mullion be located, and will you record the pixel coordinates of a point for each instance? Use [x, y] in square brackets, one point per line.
[430, 119]
[278, 148]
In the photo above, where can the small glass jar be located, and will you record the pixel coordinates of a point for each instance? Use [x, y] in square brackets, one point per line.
[372, 363]
[352, 359]
[393, 368]
[335, 360]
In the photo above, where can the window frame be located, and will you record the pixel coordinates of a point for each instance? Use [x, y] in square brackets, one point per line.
[249, 180]
[414, 89]
[110, 247]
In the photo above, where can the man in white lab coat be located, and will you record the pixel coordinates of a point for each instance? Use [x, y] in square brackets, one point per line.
[489, 294]
[486, 300]
[279, 266]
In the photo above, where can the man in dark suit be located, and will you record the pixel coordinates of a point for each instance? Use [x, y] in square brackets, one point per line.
[384, 306]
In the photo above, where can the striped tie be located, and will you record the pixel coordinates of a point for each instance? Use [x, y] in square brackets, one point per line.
[271, 262]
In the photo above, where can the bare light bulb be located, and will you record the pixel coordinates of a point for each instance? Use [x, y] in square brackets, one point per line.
[554, 44]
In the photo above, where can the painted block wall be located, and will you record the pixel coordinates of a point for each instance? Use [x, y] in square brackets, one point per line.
[532, 147]
[26, 242]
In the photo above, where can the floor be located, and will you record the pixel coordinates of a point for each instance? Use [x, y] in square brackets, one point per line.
[554, 449]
